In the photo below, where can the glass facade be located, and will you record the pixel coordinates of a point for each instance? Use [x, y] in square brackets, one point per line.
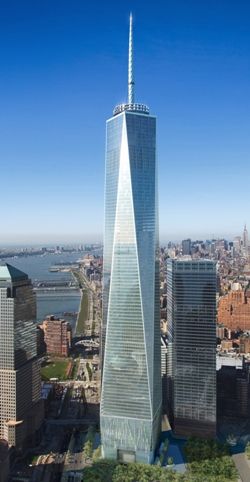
[191, 305]
[17, 323]
[131, 383]
[20, 383]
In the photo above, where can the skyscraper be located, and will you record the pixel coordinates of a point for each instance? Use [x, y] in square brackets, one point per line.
[20, 385]
[131, 379]
[186, 247]
[237, 244]
[191, 305]
[245, 237]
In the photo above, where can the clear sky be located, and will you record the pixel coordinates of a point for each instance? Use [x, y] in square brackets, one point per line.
[63, 67]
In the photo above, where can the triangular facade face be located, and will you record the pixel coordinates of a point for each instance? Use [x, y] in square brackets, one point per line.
[130, 402]
[9, 272]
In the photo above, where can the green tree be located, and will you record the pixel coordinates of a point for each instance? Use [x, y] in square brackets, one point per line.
[248, 449]
[209, 460]
[97, 453]
[88, 449]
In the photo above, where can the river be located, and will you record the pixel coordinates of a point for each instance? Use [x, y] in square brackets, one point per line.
[51, 303]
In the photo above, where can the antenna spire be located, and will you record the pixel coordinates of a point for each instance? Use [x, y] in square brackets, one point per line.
[131, 105]
[131, 94]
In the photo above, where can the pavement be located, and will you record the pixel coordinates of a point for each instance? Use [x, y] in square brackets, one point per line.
[243, 466]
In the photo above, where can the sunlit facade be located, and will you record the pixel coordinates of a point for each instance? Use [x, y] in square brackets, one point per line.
[131, 386]
[20, 382]
[131, 378]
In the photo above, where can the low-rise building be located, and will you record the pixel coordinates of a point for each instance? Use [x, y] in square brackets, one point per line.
[226, 345]
[245, 343]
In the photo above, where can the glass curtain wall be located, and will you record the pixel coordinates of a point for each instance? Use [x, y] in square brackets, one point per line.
[131, 384]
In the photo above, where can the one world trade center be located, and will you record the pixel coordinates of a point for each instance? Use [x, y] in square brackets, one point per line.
[131, 379]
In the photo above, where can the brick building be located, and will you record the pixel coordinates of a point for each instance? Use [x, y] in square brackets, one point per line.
[57, 336]
[234, 310]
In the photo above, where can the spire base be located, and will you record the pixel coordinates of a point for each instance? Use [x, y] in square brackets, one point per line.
[138, 108]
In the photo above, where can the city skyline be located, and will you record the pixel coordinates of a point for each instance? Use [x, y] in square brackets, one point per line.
[53, 111]
[78, 240]
[124, 348]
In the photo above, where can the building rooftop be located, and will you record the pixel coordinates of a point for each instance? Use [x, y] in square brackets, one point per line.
[135, 107]
[10, 273]
[11, 423]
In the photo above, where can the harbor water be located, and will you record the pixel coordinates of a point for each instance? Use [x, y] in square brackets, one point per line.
[61, 303]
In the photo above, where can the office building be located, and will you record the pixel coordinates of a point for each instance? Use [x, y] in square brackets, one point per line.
[186, 247]
[4, 461]
[131, 372]
[245, 237]
[192, 346]
[237, 244]
[233, 390]
[20, 385]
[164, 352]
[57, 336]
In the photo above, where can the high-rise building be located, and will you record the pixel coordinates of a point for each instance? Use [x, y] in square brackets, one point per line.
[164, 352]
[237, 244]
[233, 390]
[186, 247]
[131, 372]
[245, 237]
[4, 461]
[20, 384]
[57, 336]
[192, 346]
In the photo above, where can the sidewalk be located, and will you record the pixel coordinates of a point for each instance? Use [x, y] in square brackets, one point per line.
[243, 466]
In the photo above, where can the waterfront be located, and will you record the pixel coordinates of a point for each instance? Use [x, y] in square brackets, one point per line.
[56, 303]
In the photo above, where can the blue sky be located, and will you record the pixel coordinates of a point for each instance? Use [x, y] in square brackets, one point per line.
[63, 67]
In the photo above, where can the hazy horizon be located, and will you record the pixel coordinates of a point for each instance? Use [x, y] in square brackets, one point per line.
[74, 240]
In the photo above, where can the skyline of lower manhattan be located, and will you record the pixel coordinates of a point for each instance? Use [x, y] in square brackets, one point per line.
[124, 356]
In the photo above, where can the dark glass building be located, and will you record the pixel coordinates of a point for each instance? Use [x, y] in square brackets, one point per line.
[191, 314]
